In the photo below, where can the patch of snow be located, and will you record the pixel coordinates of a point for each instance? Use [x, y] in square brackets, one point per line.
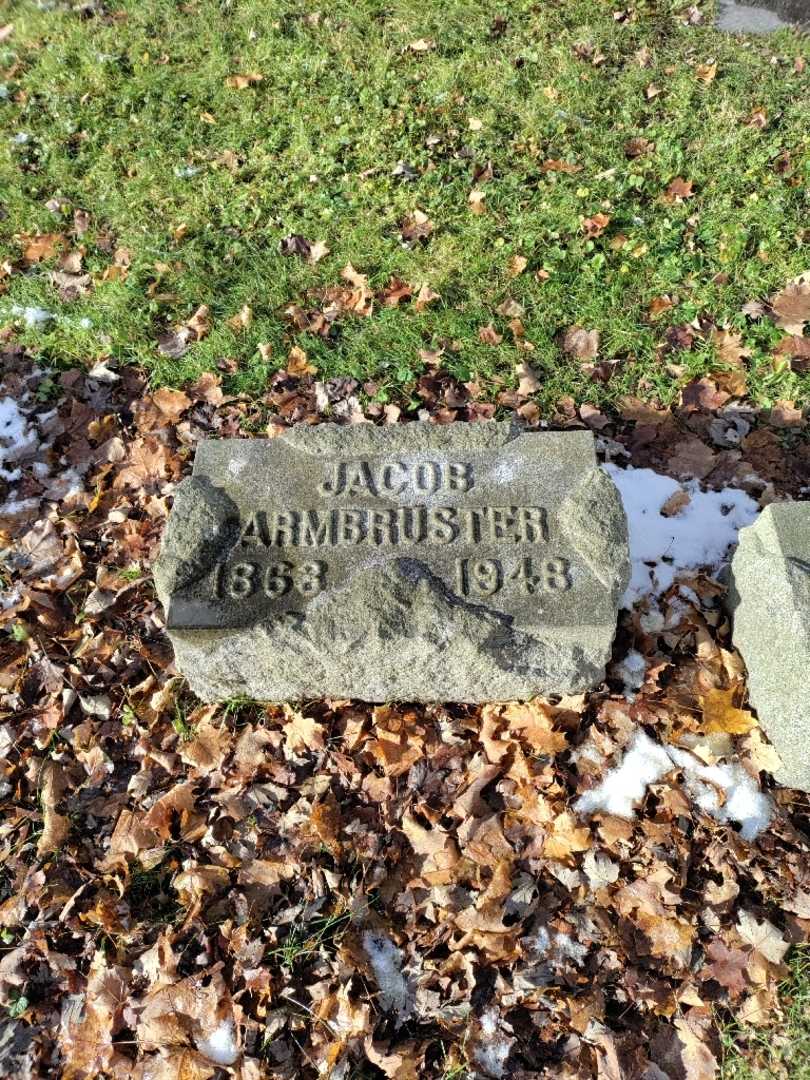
[21, 138]
[744, 802]
[646, 761]
[632, 671]
[17, 506]
[699, 534]
[16, 437]
[33, 317]
[386, 963]
[492, 1052]
[556, 946]
[220, 1046]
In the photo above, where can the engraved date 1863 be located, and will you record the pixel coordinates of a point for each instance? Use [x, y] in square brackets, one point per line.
[241, 580]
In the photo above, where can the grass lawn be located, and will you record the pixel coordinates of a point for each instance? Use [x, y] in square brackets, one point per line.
[781, 1051]
[197, 136]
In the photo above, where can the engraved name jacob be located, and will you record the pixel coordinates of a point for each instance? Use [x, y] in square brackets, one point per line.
[413, 523]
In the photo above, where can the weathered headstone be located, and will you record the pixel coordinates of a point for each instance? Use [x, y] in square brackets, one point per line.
[770, 604]
[419, 562]
[762, 16]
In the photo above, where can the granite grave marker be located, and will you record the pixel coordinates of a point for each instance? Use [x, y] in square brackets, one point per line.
[418, 562]
[762, 16]
[769, 597]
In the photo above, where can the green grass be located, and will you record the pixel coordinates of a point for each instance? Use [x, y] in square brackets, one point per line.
[305, 940]
[781, 1049]
[128, 116]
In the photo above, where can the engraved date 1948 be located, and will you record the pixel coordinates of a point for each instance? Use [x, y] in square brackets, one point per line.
[485, 577]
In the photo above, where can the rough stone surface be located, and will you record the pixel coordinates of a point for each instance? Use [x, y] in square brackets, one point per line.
[769, 598]
[420, 562]
[762, 17]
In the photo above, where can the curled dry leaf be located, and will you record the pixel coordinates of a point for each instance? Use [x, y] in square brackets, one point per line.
[242, 82]
[489, 335]
[425, 296]
[477, 202]
[581, 343]
[528, 382]
[298, 362]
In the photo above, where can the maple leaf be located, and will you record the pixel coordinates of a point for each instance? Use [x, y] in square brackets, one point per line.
[728, 966]
[762, 936]
[555, 165]
[720, 714]
[797, 349]
[516, 265]
[565, 837]
[595, 226]
[242, 320]
[638, 146]
[302, 732]
[195, 883]
[706, 72]
[792, 307]
[528, 381]
[670, 937]
[534, 721]
[658, 305]
[600, 870]
[697, 1060]
[678, 190]
[171, 403]
[415, 226]
[87, 1040]
[476, 199]
[729, 347]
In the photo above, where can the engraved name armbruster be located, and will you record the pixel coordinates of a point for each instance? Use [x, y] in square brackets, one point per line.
[346, 526]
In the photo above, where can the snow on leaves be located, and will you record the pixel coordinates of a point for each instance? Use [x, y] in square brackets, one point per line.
[254, 890]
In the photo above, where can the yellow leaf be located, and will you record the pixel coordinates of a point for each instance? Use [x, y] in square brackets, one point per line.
[298, 363]
[242, 82]
[720, 714]
[566, 837]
